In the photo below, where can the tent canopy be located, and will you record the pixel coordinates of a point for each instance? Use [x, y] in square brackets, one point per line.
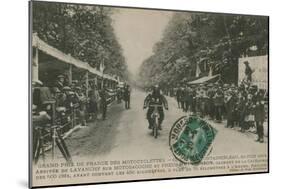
[41, 45]
[204, 79]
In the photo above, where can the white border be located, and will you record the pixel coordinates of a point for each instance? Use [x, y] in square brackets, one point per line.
[14, 87]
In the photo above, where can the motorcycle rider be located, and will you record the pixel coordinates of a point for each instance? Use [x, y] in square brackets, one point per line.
[155, 98]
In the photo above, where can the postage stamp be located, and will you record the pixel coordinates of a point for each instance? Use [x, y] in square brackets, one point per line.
[191, 139]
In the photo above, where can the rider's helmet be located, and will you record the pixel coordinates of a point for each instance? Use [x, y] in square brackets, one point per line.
[156, 90]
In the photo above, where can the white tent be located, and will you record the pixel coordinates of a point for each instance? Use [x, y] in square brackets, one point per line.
[44, 47]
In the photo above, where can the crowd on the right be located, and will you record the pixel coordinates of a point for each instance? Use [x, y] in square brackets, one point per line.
[243, 106]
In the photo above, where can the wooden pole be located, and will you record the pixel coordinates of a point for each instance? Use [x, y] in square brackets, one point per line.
[87, 83]
[35, 66]
[70, 75]
[96, 81]
[102, 82]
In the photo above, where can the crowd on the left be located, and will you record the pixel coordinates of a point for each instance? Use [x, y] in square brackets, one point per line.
[72, 104]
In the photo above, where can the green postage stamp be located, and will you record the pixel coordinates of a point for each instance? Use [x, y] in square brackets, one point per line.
[191, 139]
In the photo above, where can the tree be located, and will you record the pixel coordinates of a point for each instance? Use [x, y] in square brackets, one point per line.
[214, 41]
[84, 32]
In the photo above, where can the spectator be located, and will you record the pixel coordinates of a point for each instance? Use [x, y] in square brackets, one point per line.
[103, 102]
[94, 99]
[259, 114]
[218, 102]
[127, 96]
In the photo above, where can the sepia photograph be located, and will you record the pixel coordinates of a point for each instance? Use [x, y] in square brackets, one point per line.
[124, 94]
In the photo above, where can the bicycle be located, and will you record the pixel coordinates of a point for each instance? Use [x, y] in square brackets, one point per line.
[53, 130]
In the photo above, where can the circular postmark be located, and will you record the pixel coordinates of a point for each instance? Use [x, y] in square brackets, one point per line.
[190, 139]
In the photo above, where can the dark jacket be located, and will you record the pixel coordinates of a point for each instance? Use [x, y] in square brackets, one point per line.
[218, 98]
[127, 93]
[103, 96]
[180, 94]
[259, 111]
[155, 100]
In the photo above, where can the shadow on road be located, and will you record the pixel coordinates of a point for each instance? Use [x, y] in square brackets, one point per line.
[98, 137]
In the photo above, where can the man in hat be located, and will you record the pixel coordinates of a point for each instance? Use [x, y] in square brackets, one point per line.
[60, 82]
[259, 115]
[186, 98]
[58, 96]
[218, 102]
[201, 97]
[205, 100]
[60, 99]
[249, 109]
[179, 95]
[74, 84]
[119, 94]
[226, 87]
[69, 94]
[210, 93]
[248, 71]
[193, 97]
[94, 102]
[81, 100]
[241, 109]
[127, 96]
[230, 102]
[103, 102]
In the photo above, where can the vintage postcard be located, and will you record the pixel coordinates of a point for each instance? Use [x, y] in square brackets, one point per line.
[122, 94]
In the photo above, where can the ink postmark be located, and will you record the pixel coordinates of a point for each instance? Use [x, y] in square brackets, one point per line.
[191, 138]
